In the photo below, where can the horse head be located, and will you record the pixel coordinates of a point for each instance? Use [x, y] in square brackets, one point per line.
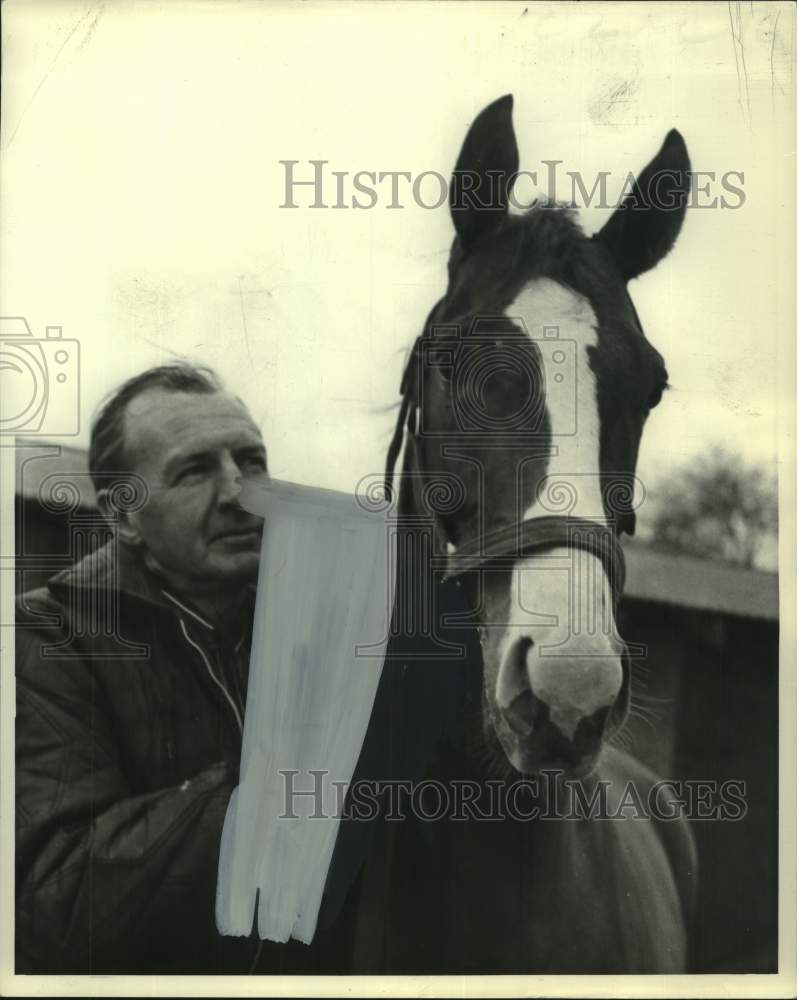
[524, 401]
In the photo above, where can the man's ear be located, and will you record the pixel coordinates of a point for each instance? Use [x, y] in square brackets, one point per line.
[485, 171]
[644, 227]
[125, 522]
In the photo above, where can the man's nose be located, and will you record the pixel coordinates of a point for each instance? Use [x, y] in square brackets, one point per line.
[230, 480]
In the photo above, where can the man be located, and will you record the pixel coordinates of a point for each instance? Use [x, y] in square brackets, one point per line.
[131, 683]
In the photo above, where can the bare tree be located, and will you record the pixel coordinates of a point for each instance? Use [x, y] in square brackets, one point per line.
[719, 506]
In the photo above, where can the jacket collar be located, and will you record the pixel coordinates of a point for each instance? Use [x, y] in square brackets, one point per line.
[115, 566]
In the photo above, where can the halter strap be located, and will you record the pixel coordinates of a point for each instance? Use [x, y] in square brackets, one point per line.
[504, 546]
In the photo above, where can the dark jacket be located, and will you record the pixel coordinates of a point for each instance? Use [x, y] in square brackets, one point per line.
[127, 748]
[128, 745]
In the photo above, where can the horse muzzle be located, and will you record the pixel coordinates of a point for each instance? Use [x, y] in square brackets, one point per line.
[555, 707]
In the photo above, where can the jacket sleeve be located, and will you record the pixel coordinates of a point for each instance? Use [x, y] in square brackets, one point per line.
[105, 880]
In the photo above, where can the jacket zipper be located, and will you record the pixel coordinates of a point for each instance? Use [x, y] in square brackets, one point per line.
[213, 677]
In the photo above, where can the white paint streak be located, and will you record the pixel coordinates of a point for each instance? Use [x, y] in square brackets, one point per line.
[325, 591]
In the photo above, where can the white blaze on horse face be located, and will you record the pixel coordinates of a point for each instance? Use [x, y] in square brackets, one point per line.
[561, 599]
[564, 326]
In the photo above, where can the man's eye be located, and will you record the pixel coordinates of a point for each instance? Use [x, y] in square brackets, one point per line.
[256, 462]
[190, 472]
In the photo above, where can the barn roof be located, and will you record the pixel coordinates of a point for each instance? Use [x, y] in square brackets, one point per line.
[652, 574]
[42, 465]
[701, 584]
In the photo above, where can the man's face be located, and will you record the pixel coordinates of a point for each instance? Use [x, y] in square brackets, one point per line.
[193, 450]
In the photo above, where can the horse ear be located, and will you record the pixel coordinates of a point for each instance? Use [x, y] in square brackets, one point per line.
[644, 227]
[485, 172]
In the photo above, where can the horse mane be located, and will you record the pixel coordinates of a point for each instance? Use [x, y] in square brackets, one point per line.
[405, 420]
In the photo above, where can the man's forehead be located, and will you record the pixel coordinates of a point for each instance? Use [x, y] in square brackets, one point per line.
[164, 421]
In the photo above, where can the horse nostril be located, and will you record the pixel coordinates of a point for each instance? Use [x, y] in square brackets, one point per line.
[526, 714]
[576, 688]
[513, 678]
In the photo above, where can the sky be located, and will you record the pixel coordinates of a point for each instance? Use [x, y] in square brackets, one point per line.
[143, 183]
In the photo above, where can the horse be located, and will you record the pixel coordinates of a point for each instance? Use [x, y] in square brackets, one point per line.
[523, 403]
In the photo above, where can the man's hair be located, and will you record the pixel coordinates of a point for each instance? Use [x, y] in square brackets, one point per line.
[107, 451]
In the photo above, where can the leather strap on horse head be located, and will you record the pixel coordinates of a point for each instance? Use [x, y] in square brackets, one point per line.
[504, 546]
[507, 545]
